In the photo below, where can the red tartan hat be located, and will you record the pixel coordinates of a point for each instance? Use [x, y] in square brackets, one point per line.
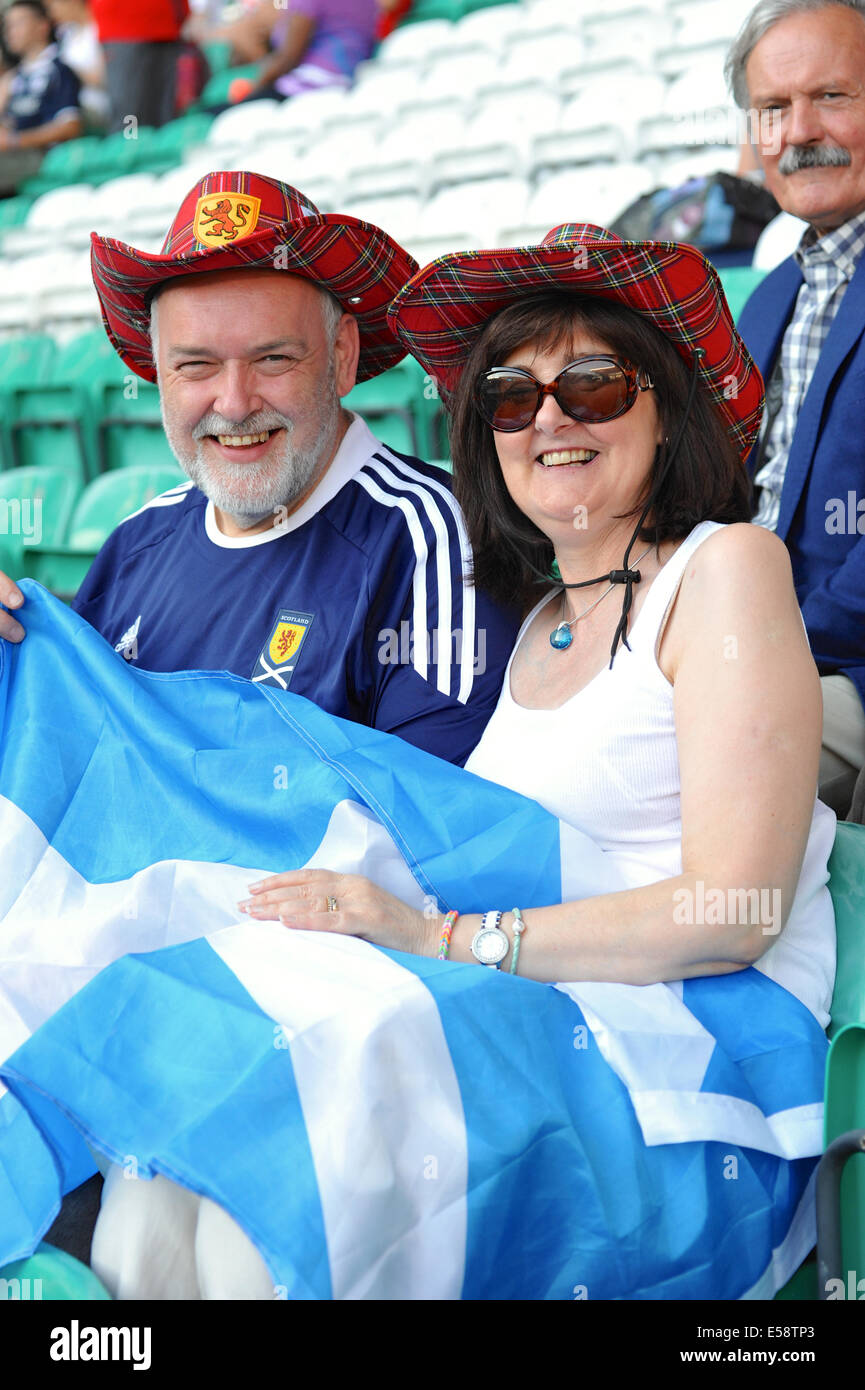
[238, 219]
[440, 313]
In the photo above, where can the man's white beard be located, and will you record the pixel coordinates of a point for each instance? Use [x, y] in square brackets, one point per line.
[250, 492]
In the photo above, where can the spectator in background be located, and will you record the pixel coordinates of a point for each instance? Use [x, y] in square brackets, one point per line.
[41, 103]
[141, 43]
[79, 48]
[316, 43]
[392, 14]
[800, 66]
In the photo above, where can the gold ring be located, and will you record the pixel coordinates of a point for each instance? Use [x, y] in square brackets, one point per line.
[331, 905]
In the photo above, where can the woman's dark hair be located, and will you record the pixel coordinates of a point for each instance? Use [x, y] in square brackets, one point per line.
[707, 480]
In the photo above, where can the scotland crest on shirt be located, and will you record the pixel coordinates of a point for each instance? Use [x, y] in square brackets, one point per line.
[278, 656]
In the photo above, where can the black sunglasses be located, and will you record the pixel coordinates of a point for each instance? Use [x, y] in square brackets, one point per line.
[591, 389]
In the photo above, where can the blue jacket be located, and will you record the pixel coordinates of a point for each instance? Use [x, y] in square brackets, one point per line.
[824, 485]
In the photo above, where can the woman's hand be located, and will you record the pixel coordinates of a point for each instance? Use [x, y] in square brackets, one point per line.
[300, 899]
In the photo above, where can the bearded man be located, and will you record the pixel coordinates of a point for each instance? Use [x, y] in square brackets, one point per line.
[303, 552]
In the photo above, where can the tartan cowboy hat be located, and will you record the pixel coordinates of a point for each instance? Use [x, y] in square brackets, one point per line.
[439, 314]
[234, 219]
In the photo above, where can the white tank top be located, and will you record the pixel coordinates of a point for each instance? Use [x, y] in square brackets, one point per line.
[606, 762]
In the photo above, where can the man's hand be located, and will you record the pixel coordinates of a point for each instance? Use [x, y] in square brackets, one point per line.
[12, 597]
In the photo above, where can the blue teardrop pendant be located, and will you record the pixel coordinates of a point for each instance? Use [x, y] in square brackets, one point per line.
[561, 637]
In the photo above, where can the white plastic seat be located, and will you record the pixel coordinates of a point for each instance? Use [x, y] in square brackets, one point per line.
[601, 123]
[696, 110]
[47, 220]
[592, 193]
[709, 159]
[404, 161]
[411, 43]
[459, 77]
[306, 113]
[778, 240]
[640, 32]
[337, 153]
[498, 139]
[399, 215]
[242, 123]
[491, 28]
[472, 213]
[387, 93]
[542, 59]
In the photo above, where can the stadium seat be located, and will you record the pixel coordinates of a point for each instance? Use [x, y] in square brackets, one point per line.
[404, 161]
[395, 407]
[486, 30]
[129, 420]
[399, 214]
[24, 361]
[468, 216]
[103, 505]
[639, 32]
[169, 143]
[216, 91]
[533, 61]
[63, 164]
[35, 507]
[435, 9]
[696, 110]
[52, 420]
[411, 44]
[739, 281]
[601, 123]
[498, 139]
[845, 1068]
[240, 126]
[50, 213]
[591, 193]
[55, 1274]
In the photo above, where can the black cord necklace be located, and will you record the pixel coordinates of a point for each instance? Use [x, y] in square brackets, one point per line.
[627, 576]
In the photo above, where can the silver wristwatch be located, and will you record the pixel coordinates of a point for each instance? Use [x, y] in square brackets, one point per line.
[490, 944]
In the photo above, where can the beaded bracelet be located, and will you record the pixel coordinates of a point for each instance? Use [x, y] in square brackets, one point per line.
[519, 928]
[447, 933]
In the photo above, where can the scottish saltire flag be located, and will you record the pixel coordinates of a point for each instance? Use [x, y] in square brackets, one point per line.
[380, 1124]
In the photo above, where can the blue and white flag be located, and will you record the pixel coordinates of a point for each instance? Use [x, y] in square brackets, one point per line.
[380, 1124]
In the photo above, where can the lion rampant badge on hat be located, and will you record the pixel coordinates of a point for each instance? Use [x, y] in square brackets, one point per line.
[218, 222]
[234, 219]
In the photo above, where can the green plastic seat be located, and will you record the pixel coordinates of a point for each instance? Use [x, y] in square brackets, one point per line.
[35, 507]
[65, 163]
[106, 502]
[49, 1274]
[24, 361]
[216, 91]
[13, 211]
[845, 1065]
[436, 9]
[402, 400]
[53, 421]
[845, 1068]
[739, 282]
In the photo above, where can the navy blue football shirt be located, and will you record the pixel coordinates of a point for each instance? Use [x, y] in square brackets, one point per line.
[357, 600]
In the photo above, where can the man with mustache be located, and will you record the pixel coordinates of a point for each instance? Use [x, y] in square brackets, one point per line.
[303, 554]
[799, 66]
